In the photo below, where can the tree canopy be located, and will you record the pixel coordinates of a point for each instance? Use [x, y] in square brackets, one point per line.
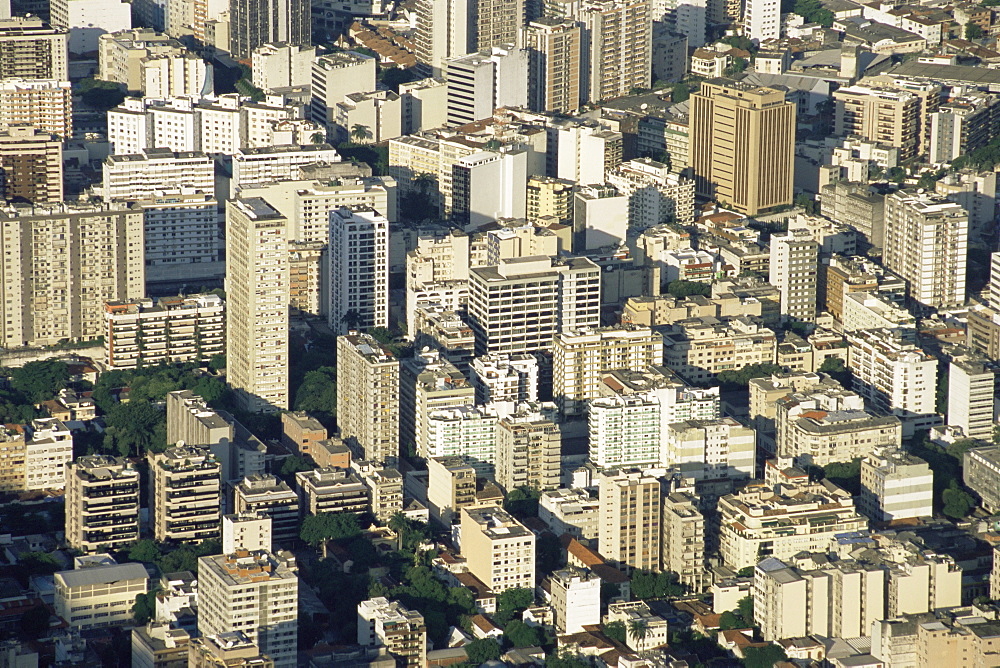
[681, 288]
[329, 526]
[40, 381]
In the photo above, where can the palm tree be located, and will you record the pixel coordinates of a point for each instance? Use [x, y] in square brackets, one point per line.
[360, 132]
[399, 524]
[424, 181]
[318, 137]
[638, 629]
[351, 318]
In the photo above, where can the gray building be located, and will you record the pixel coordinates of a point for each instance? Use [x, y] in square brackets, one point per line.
[981, 474]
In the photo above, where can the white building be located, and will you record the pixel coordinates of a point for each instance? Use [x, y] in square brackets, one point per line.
[336, 75]
[189, 329]
[488, 185]
[139, 176]
[762, 20]
[505, 378]
[972, 395]
[183, 240]
[359, 270]
[478, 83]
[98, 592]
[572, 511]
[87, 20]
[576, 599]
[281, 66]
[469, 432]
[45, 104]
[794, 267]
[710, 449]
[253, 167]
[600, 215]
[246, 531]
[48, 448]
[624, 431]
[656, 194]
[895, 485]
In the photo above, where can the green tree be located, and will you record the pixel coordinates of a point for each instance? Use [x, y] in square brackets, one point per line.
[740, 378]
[294, 464]
[100, 95]
[638, 629]
[351, 318]
[482, 650]
[548, 553]
[522, 635]
[511, 603]
[144, 608]
[763, 657]
[616, 631]
[845, 474]
[318, 392]
[957, 503]
[135, 428]
[318, 138]
[522, 502]
[973, 32]
[745, 609]
[835, 367]
[217, 362]
[145, 551]
[681, 288]
[40, 381]
[728, 620]
[38, 563]
[35, 621]
[318, 529]
[737, 66]
[897, 174]
[566, 659]
[361, 133]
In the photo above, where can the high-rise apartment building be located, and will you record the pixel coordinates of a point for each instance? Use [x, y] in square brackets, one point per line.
[558, 295]
[505, 378]
[185, 494]
[428, 382]
[528, 450]
[625, 431]
[457, 27]
[555, 49]
[33, 456]
[581, 357]
[31, 164]
[359, 270]
[257, 287]
[32, 49]
[44, 104]
[334, 76]
[254, 23]
[972, 385]
[926, 242]
[793, 269]
[710, 449]
[369, 413]
[389, 624]
[141, 175]
[890, 116]
[498, 549]
[576, 599]
[254, 593]
[272, 497]
[138, 332]
[102, 503]
[451, 486]
[60, 264]
[655, 193]
[246, 531]
[762, 19]
[684, 540]
[616, 47]
[631, 515]
[895, 485]
[742, 142]
[465, 431]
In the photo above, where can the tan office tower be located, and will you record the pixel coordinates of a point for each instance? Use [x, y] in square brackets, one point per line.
[742, 145]
[60, 263]
[368, 412]
[618, 55]
[102, 503]
[31, 165]
[631, 511]
[185, 494]
[554, 74]
[32, 49]
[257, 287]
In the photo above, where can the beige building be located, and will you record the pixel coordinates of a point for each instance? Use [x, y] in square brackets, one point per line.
[32, 49]
[60, 264]
[158, 645]
[710, 449]
[102, 503]
[549, 198]
[98, 592]
[307, 277]
[555, 49]
[12, 452]
[571, 511]
[300, 432]
[254, 593]
[33, 456]
[368, 416]
[428, 382]
[697, 349]
[498, 549]
[793, 516]
[226, 650]
[331, 490]
[739, 133]
[185, 494]
[684, 541]
[141, 333]
[895, 485]
[257, 288]
[528, 450]
[273, 498]
[581, 357]
[637, 615]
[630, 519]
[890, 116]
[385, 490]
[618, 57]
[451, 486]
[389, 624]
[45, 104]
[32, 163]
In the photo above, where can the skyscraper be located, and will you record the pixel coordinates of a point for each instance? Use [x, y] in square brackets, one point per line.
[452, 28]
[617, 47]
[257, 22]
[742, 144]
[368, 412]
[257, 287]
[359, 270]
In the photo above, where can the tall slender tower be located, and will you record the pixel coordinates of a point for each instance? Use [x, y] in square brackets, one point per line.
[742, 144]
[617, 47]
[257, 287]
[554, 64]
[453, 28]
[257, 22]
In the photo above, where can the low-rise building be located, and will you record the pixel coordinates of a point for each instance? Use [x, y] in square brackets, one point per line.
[98, 592]
[981, 474]
[575, 594]
[171, 330]
[390, 624]
[644, 630]
[698, 349]
[272, 497]
[331, 490]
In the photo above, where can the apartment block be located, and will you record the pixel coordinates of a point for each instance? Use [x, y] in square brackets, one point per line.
[32, 49]
[845, 275]
[102, 503]
[144, 175]
[710, 449]
[563, 295]
[780, 521]
[490, 536]
[98, 592]
[580, 357]
[895, 485]
[631, 518]
[465, 431]
[892, 373]
[185, 494]
[625, 431]
[528, 450]
[139, 332]
[246, 531]
[307, 275]
[572, 511]
[334, 76]
[644, 630]
[370, 415]
[257, 288]
[655, 194]
[269, 496]
[873, 310]
[555, 48]
[549, 198]
[389, 624]
[684, 540]
[300, 431]
[12, 453]
[860, 207]
[227, 582]
[972, 386]
[617, 57]
[226, 649]
[444, 329]
[331, 490]
[890, 116]
[359, 270]
[793, 269]
[981, 472]
[282, 66]
[697, 349]
[45, 104]
[961, 125]
[575, 595]
[253, 24]
[926, 239]
[385, 490]
[48, 448]
[504, 378]
[740, 132]
[451, 486]
[32, 163]
[254, 167]
[183, 239]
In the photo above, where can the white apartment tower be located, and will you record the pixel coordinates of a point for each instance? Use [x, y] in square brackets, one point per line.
[359, 270]
[794, 266]
[257, 287]
[762, 19]
[369, 412]
[895, 485]
[631, 514]
[971, 395]
[926, 241]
